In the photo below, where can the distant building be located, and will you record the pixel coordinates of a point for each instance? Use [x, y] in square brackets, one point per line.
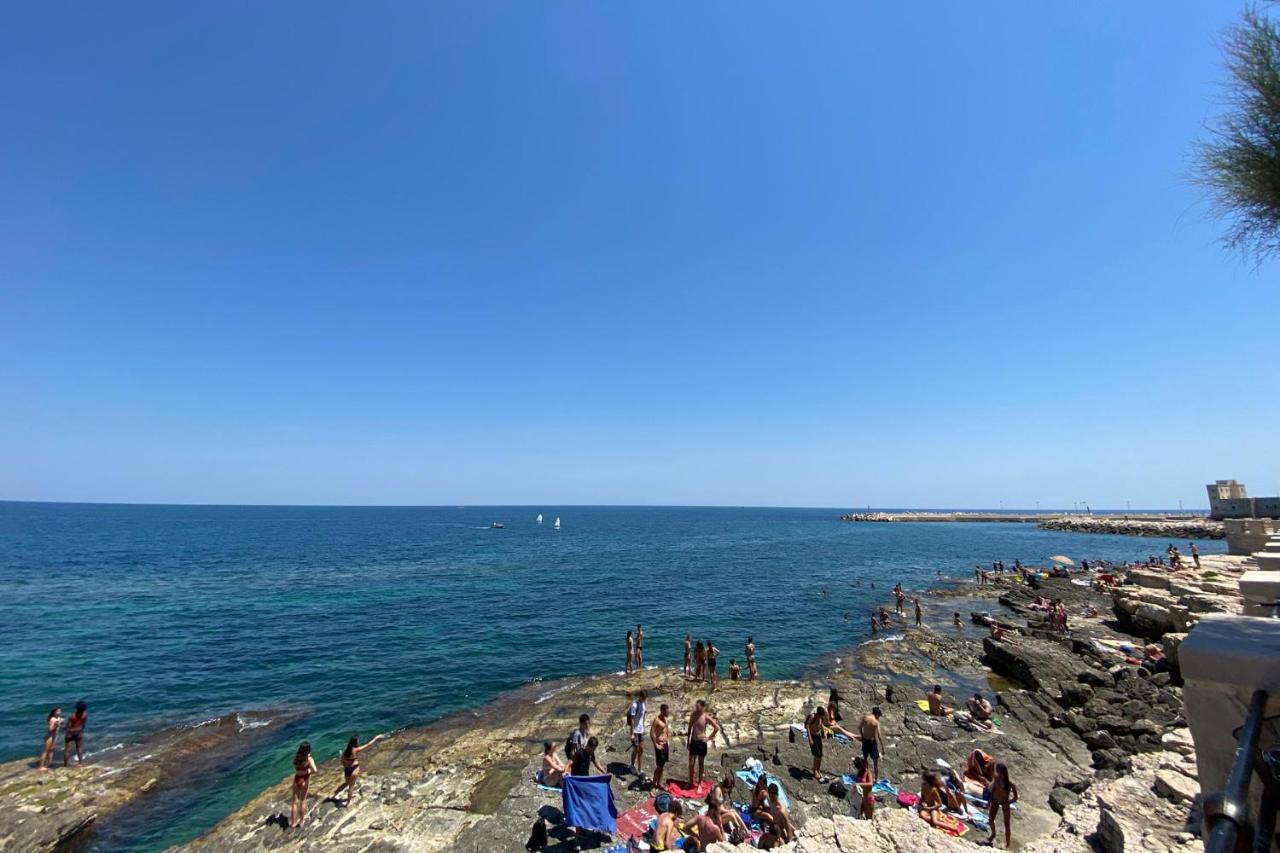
[1229, 499]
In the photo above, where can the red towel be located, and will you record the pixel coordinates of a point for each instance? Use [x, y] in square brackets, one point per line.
[634, 823]
[949, 824]
[681, 789]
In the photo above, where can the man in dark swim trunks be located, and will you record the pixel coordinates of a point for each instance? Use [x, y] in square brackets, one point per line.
[660, 734]
[699, 721]
[869, 734]
[75, 734]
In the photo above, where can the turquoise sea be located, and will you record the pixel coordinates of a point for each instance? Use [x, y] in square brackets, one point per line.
[370, 619]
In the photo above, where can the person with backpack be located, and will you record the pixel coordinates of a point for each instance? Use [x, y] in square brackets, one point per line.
[578, 737]
[635, 725]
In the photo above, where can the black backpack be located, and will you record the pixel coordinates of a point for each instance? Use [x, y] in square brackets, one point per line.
[537, 838]
[837, 789]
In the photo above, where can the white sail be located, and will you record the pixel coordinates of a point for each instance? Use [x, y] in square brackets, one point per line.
[539, 518]
[557, 524]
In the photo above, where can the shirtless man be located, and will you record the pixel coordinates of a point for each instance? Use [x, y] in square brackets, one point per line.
[688, 654]
[919, 621]
[869, 733]
[936, 707]
[1195, 553]
[712, 654]
[660, 735]
[751, 659]
[670, 825]
[816, 727]
[779, 816]
[698, 737]
[956, 619]
[631, 653]
[980, 711]
[875, 625]
[639, 646]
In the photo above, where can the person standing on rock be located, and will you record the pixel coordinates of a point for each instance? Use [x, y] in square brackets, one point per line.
[1003, 795]
[303, 766]
[660, 735]
[631, 653]
[635, 723]
[699, 721]
[869, 734]
[919, 620]
[351, 765]
[1195, 553]
[688, 654]
[875, 625]
[751, 659]
[639, 647]
[75, 734]
[699, 661]
[816, 727]
[578, 737]
[52, 723]
[712, 654]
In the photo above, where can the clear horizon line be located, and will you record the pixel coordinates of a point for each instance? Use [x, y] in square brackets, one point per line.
[845, 508]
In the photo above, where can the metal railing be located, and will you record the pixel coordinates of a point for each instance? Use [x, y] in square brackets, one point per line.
[1226, 812]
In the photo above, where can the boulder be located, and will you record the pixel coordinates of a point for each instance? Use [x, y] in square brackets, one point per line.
[1060, 799]
[1176, 786]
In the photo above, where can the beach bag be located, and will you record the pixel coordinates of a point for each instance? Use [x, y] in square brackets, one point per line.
[838, 790]
[906, 799]
[538, 837]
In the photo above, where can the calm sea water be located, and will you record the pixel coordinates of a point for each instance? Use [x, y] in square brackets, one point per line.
[375, 618]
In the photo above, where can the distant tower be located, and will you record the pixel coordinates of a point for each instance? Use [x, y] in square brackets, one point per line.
[1229, 499]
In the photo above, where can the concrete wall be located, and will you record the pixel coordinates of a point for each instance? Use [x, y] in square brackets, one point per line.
[1223, 660]
[1266, 507]
[1230, 508]
[1244, 508]
[1246, 536]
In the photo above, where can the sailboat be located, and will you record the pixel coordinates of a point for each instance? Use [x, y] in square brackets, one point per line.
[557, 524]
[539, 518]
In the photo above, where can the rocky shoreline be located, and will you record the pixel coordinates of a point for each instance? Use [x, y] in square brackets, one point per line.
[105, 799]
[1097, 745]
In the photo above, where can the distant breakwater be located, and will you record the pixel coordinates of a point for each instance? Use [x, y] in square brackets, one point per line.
[1203, 528]
[1160, 526]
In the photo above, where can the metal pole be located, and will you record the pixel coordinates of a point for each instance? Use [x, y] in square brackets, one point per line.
[1227, 811]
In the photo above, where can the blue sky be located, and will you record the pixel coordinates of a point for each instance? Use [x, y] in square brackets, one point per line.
[712, 253]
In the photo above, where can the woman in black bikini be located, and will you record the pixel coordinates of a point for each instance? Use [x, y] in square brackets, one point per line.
[303, 766]
[51, 726]
[351, 766]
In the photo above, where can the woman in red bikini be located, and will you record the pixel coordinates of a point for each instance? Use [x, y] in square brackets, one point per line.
[303, 766]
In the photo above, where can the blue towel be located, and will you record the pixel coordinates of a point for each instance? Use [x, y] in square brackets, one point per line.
[588, 803]
[884, 786]
[751, 779]
[841, 738]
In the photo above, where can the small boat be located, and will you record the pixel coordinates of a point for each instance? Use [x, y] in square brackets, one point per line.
[539, 518]
[495, 526]
[557, 524]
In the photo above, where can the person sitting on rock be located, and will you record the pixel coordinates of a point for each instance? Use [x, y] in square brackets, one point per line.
[936, 706]
[931, 798]
[667, 833]
[979, 773]
[553, 769]
[979, 711]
